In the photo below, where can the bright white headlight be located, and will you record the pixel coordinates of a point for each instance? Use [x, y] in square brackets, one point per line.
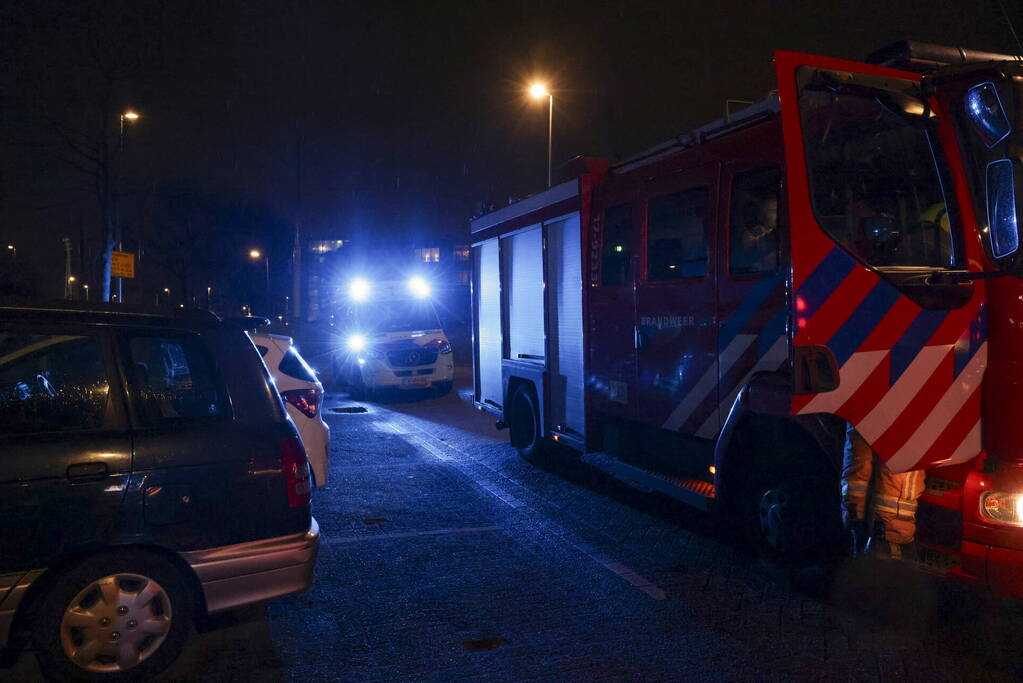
[1003, 507]
[419, 287]
[356, 342]
[358, 289]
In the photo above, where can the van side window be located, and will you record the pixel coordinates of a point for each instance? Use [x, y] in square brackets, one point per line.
[175, 379]
[753, 230]
[677, 235]
[617, 250]
[51, 383]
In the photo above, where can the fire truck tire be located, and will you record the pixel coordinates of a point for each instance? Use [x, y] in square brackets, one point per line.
[787, 518]
[523, 417]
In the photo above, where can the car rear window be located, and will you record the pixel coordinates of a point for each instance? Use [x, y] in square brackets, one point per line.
[52, 383]
[176, 379]
[262, 350]
[293, 365]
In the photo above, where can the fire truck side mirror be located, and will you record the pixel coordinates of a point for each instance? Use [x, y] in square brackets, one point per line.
[1004, 198]
[815, 370]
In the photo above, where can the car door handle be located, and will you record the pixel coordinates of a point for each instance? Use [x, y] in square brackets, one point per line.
[87, 471]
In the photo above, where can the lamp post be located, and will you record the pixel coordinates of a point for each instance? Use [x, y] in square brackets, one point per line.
[255, 255]
[538, 91]
[127, 118]
[14, 251]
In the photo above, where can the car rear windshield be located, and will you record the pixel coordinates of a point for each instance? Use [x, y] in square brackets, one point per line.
[293, 365]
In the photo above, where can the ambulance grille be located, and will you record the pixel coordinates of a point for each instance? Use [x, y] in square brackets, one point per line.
[411, 357]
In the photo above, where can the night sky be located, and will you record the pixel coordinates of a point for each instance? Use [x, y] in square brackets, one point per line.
[372, 120]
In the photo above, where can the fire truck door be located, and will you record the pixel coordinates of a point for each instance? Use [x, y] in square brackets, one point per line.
[612, 306]
[752, 315]
[877, 233]
[676, 316]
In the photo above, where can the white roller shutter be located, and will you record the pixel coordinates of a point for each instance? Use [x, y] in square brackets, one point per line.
[488, 322]
[523, 267]
[565, 316]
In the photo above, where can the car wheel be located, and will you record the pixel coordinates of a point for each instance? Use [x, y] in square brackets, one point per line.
[116, 617]
[524, 423]
[443, 388]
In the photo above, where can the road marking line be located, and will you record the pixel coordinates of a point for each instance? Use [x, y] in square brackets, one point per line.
[410, 534]
[641, 582]
[426, 445]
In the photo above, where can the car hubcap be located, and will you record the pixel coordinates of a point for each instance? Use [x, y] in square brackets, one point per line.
[115, 623]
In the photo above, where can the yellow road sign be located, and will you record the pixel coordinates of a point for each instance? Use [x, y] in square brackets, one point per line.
[122, 264]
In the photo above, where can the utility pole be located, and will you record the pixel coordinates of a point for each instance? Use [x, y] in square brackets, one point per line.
[296, 254]
[67, 267]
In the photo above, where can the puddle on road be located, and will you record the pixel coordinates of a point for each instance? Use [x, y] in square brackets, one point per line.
[482, 644]
[348, 409]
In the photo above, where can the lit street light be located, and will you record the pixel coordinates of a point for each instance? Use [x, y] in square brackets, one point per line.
[86, 288]
[14, 251]
[538, 91]
[127, 118]
[255, 255]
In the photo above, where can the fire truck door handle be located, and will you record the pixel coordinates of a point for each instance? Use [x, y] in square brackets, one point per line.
[816, 370]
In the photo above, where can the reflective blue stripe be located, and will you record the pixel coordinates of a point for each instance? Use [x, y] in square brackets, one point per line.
[913, 341]
[824, 279]
[747, 309]
[863, 321]
[774, 329]
[966, 348]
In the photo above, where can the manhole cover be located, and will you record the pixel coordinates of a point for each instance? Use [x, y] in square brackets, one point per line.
[349, 409]
[481, 644]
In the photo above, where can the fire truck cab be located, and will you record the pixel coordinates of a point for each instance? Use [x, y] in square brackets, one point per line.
[706, 319]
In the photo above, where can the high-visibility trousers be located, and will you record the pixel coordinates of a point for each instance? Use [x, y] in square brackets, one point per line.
[892, 497]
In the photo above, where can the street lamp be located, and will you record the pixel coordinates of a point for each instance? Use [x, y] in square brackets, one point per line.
[538, 91]
[86, 288]
[14, 251]
[255, 255]
[127, 118]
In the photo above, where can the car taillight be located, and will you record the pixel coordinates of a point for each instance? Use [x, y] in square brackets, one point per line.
[440, 345]
[306, 400]
[295, 466]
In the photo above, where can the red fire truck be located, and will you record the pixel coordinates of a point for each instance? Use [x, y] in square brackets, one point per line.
[704, 320]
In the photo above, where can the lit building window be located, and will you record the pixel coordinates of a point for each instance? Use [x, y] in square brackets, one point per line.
[428, 255]
[462, 252]
[325, 246]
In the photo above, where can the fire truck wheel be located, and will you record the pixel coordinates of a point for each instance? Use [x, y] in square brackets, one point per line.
[787, 520]
[524, 422]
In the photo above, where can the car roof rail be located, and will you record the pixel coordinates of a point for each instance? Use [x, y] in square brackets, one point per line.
[248, 323]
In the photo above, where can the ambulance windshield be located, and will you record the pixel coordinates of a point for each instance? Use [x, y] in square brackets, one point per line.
[876, 176]
[400, 316]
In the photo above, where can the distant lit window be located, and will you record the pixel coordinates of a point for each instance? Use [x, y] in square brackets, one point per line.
[325, 246]
[462, 252]
[428, 255]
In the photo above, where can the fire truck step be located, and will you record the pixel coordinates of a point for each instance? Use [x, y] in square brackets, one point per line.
[695, 492]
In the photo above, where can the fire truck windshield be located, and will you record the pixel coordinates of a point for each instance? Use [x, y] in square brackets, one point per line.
[876, 175]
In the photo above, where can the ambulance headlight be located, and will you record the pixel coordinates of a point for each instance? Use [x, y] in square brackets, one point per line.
[356, 343]
[418, 287]
[358, 289]
[999, 506]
